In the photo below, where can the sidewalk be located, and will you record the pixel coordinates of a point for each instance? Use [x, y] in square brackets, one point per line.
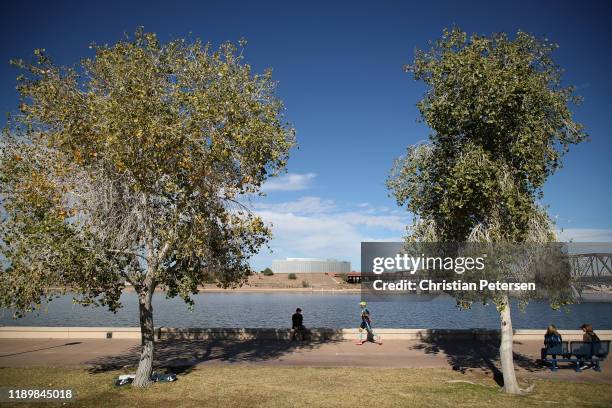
[459, 355]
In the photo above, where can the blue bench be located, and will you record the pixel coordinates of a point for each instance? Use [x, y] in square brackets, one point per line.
[577, 353]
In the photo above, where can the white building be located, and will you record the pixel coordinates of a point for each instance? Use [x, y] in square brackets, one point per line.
[310, 265]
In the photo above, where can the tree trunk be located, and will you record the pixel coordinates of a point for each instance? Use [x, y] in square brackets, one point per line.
[145, 366]
[505, 349]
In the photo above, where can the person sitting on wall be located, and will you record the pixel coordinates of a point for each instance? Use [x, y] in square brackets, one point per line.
[297, 324]
[551, 338]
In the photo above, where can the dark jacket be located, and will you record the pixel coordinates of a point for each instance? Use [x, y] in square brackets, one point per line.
[590, 337]
[297, 320]
[551, 340]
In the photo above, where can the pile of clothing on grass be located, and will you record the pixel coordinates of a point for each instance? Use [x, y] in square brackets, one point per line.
[155, 377]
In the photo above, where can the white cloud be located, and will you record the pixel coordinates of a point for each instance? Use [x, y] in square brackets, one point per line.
[289, 182]
[316, 227]
[313, 227]
[370, 219]
[316, 235]
[585, 235]
[305, 205]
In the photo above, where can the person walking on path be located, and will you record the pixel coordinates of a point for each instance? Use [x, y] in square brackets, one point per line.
[366, 324]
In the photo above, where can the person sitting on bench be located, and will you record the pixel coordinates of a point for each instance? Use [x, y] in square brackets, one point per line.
[552, 338]
[588, 336]
[297, 324]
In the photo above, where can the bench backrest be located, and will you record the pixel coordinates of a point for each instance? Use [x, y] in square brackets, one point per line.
[580, 348]
[560, 348]
[588, 349]
[601, 348]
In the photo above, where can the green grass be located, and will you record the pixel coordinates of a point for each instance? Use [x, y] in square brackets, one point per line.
[257, 386]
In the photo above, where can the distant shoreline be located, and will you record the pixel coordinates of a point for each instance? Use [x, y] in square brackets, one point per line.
[280, 283]
[129, 289]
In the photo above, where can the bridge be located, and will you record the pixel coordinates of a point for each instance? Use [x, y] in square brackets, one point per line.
[592, 268]
[593, 272]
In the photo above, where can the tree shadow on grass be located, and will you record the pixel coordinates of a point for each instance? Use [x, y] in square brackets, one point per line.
[180, 356]
[467, 355]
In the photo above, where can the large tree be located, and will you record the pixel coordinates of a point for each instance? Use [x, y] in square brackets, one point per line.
[500, 123]
[132, 168]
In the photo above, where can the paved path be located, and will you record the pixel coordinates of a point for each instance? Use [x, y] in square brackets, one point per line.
[459, 355]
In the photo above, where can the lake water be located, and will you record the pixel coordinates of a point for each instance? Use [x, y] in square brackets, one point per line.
[320, 310]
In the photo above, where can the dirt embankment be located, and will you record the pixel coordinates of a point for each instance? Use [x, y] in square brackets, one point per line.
[303, 282]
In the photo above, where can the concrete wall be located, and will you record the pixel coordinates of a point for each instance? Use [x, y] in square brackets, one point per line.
[19, 332]
[299, 265]
[12, 332]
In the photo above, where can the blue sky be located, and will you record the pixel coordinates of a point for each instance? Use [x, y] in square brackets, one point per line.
[339, 68]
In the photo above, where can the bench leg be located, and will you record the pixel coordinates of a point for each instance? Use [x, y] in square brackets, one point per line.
[577, 367]
[596, 367]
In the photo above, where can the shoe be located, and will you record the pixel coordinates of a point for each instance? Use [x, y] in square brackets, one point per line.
[584, 367]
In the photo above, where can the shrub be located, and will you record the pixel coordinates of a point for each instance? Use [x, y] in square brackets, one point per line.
[268, 272]
[209, 279]
[305, 284]
[292, 276]
[343, 276]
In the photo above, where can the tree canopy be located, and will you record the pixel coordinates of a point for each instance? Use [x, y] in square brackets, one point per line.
[500, 123]
[133, 166]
